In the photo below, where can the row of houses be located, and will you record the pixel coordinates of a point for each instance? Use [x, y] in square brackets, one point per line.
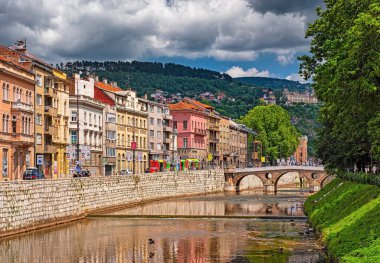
[54, 122]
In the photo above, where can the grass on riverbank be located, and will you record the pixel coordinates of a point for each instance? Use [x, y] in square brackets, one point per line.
[348, 216]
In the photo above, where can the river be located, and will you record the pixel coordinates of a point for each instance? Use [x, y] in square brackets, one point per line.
[211, 228]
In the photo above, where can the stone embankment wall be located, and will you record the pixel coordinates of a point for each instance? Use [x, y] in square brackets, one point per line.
[28, 205]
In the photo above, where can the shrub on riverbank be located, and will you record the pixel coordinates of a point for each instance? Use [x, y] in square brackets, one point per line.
[363, 178]
[347, 214]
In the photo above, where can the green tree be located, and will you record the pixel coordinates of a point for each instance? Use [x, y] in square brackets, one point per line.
[274, 130]
[345, 65]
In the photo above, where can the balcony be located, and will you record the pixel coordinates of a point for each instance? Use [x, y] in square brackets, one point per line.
[49, 148]
[214, 140]
[21, 106]
[22, 139]
[168, 117]
[50, 111]
[200, 131]
[214, 127]
[167, 128]
[51, 130]
[50, 92]
[166, 140]
[110, 143]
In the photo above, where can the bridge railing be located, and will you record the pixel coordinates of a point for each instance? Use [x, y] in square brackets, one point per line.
[280, 168]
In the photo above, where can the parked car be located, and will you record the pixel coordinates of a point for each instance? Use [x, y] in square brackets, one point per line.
[125, 172]
[82, 173]
[32, 173]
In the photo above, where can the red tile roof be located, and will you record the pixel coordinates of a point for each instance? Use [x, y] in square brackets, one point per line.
[108, 87]
[189, 104]
[102, 97]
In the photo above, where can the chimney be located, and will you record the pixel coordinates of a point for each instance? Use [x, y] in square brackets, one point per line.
[96, 78]
[146, 96]
[105, 81]
[21, 45]
[114, 84]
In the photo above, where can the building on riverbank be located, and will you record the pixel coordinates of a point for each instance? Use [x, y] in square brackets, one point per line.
[16, 118]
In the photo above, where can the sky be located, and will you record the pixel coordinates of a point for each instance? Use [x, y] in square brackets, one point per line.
[240, 37]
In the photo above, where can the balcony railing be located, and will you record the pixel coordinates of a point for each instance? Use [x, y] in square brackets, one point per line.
[200, 131]
[167, 128]
[49, 110]
[51, 130]
[18, 105]
[214, 127]
[49, 148]
[166, 140]
[51, 92]
[168, 117]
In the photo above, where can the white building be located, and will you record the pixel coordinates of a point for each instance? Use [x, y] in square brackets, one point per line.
[87, 115]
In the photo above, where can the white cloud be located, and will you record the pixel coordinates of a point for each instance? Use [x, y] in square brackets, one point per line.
[285, 59]
[296, 77]
[237, 72]
[119, 29]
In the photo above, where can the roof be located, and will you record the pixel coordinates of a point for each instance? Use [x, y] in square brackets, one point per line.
[15, 63]
[108, 87]
[99, 95]
[31, 56]
[182, 105]
[200, 104]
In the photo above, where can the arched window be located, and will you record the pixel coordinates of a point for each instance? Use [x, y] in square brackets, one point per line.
[14, 124]
[22, 125]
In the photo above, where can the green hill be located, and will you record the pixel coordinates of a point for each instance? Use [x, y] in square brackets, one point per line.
[239, 95]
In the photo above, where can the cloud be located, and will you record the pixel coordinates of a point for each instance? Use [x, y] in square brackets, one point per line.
[296, 77]
[135, 29]
[237, 72]
[285, 59]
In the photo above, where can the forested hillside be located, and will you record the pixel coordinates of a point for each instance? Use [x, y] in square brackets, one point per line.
[239, 95]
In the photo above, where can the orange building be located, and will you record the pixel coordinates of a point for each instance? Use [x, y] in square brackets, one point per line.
[16, 118]
[300, 156]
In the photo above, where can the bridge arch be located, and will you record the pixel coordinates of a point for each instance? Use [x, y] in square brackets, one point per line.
[303, 178]
[255, 178]
[327, 179]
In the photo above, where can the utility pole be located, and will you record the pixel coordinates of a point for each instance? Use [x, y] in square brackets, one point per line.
[134, 148]
[77, 84]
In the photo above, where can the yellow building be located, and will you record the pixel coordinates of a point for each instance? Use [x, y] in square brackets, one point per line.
[131, 128]
[61, 138]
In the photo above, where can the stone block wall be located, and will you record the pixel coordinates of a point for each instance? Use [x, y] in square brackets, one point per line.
[26, 205]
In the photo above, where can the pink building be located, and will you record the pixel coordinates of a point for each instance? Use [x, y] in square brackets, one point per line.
[190, 121]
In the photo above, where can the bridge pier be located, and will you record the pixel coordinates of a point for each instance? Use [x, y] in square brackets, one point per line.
[269, 189]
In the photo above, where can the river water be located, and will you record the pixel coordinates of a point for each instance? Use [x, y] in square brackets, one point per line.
[211, 228]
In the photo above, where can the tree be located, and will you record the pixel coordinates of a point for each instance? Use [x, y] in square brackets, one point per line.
[274, 130]
[345, 65]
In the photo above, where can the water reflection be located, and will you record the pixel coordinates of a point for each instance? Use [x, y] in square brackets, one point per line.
[114, 240]
[248, 203]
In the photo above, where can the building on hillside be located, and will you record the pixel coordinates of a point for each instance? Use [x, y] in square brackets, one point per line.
[45, 105]
[16, 118]
[86, 126]
[61, 123]
[190, 120]
[132, 127]
[298, 97]
[162, 138]
[109, 131]
[300, 155]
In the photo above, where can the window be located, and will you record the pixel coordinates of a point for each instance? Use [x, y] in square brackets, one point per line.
[5, 91]
[85, 118]
[39, 80]
[39, 138]
[159, 135]
[90, 119]
[159, 122]
[185, 125]
[159, 146]
[39, 119]
[74, 116]
[151, 147]
[151, 121]
[151, 133]
[159, 110]
[184, 142]
[5, 163]
[100, 120]
[111, 135]
[174, 124]
[111, 118]
[111, 152]
[151, 108]
[39, 99]
[73, 137]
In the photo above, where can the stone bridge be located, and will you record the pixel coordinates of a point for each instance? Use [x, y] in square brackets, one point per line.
[314, 176]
